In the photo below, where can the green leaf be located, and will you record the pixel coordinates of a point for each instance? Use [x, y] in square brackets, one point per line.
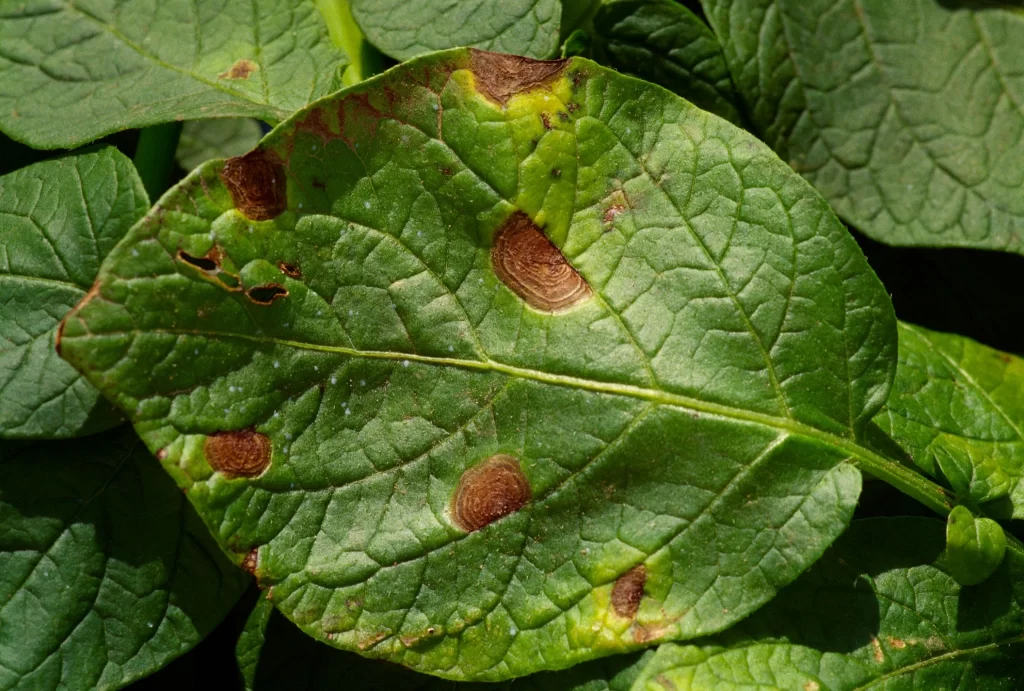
[72, 71]
[251, 642]
[404, 30]
[975, 547]
[905, 115]
[453, 437]
[106, 572]
[957, 409]
[203, 140]
[364, 60]
[665, 43]
[291, 660]
[874, 612]
[58, 220]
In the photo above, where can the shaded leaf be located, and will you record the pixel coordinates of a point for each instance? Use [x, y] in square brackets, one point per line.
[71, 72]
[251, 642]
[665, 43]
[106, 572]
[364, 60]
[975, 547]
[404, 30]
[894, 620]
[957, 409]
[58, 220]
[905, 115]
[455, 394]
[202, 140]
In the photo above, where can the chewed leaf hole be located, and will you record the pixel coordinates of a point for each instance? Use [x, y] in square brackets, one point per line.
[201, 263]
[290, 270]
[533, 268]
[241, 453]
[488, 491]
[266, 294]
[628, 591]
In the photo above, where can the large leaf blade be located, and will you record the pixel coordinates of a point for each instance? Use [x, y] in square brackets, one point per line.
[71, 72]
[58, 220]
[906, 116]
[398, 342]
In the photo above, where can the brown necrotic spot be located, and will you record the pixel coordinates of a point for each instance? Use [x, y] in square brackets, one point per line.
[242, 453]
[290, 270]
[628, 591]
[240, 70]
[533, 268]
[488, 491]
[256, 182]
[251, 561]
[499, 77]
[266, 294]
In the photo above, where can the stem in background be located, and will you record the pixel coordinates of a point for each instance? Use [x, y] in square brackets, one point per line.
[154, 156]
[364, 60]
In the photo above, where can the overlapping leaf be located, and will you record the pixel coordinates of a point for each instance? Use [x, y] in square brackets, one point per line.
[72, 71]
[203, 140]
[873, 613]
[404, 30]
[487, 356]
[907, 116]
[58, 220]
[106, 572]
[957, 409]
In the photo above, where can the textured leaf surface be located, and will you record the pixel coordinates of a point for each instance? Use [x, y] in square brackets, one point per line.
[202, 140]
[58, 220]
[106, 571]
[894, 621]
[289, 659]
[404, 30]
[72, 71]
[665, 43]
[907, 116]
[957, 409]
[453, 439]
[974, 546]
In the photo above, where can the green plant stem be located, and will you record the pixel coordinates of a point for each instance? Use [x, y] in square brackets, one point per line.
[154, 156]
[364, 60]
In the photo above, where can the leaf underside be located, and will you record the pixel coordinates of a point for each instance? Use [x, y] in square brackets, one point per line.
[73, 71]
[907, 116]
[58, 220]
[522, 356]
[106, 572]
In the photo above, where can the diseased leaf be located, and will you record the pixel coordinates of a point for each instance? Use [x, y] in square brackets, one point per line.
[957, 409]
[58, 219]
[202, 140]
[905, 115]
[874, 612]
[74, 70]
[665, 43]
[975, 547]
[106, 572]
[487, 355]
[291, 660]
[404, 30]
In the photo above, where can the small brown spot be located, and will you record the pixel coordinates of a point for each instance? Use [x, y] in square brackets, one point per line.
[573, 106]
[812, 686]
[240, 70]
[897, 643]
[161, 455]
[256, 182]
[879, 655]
[290, 270]
[446, 171]
[499, 77]
[612, 211]
[556, 172]
[665, 682]
[266, 294]
[242, 453]
[628, 591]
[533, 268]
[546, 121]
[489, 491]
[251, 561]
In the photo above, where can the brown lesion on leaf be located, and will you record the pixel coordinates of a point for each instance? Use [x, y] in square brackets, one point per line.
[488, 491]
[257, 184]
[94, 290]
[239, 453]
[290, 270]
[499, 77]
[267, 293]
[240, 70]
[251, 561]
[628, 591]
[612, 211]
[533, 268]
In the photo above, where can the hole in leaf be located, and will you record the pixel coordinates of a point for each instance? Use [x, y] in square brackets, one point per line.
[266, 294]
